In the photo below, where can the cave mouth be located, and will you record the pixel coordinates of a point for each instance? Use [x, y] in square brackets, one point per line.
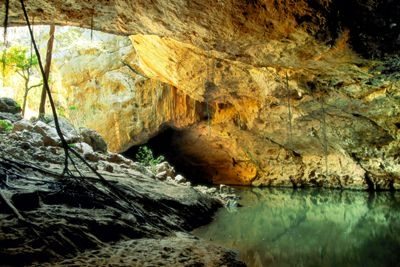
[164, 144]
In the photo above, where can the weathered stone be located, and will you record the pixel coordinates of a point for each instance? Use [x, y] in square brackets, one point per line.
[94, 139]
[71, 135]
[161, 175]
[165, 167]
[10, 116]
[50, 135]
[180, 179]
[8, 105]
[92, 156]
[22, 125]
[109, 168]
[116, 158]
[83, 148]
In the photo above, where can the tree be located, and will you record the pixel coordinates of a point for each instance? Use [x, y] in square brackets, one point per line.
[17, 60]
[47, 70]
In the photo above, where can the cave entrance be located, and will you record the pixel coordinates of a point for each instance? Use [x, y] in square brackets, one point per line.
[164, 144]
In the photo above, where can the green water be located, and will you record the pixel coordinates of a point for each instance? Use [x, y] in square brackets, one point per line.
[310, 228]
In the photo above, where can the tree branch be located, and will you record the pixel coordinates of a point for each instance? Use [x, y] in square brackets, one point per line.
[21, 74]
[33, 86]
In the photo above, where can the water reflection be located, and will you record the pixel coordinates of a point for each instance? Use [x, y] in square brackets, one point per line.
[311, 228]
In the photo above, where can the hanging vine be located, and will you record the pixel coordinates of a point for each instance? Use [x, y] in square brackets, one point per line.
[113, 190]
[31, 46]
[5, 25]
[324, 136]
[91, 25]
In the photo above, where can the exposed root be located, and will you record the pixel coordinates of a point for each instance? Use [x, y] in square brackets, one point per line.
[12, 207]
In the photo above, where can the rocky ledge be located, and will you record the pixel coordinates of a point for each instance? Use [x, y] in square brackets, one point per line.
[49, 218]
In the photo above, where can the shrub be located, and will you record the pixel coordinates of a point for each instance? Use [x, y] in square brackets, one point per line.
[6, 126]
[145, 156]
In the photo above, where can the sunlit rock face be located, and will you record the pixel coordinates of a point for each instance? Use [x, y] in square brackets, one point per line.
[103, 91]
[313, 112]
[266, 92]
[96, 84]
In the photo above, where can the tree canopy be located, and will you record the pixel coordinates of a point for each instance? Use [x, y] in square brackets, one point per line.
[18, 59]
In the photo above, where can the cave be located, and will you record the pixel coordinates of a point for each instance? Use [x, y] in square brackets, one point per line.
[164, 144]
[269, 131]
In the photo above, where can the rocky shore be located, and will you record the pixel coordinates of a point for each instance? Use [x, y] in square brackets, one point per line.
[133, 218]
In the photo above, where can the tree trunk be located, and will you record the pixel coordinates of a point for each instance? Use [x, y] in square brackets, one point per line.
[25, 96]
[47, 70]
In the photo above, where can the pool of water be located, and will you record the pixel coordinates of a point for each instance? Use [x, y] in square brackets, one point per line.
[277, 227]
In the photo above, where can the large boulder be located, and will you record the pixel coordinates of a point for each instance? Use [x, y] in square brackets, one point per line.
[94, 139]
[68, 130]
[22, 125]
[8, 105]
[9, 110]
[50, 135]
[10, 116]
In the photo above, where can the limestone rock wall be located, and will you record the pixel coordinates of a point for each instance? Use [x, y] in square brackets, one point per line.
[96, 83]
[265, 92]
[102, 90]
[301, 120]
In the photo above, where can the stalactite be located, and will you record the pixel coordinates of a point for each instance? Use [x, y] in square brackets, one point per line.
[194, 109]
[155, 100]
[239, 121]
[208, 118]
[174, 103]
[209, 79]
[289, 137]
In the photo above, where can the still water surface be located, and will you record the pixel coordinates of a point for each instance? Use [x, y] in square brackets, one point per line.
[278, 227]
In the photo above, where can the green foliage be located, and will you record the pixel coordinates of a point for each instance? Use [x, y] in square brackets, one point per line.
[6, 125]
[61, 111]
[72, 108]
[145, 156]
[18, 58]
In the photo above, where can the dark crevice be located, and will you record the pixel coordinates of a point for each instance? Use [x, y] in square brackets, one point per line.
[366, 19]
[369, 182]
[362, 19]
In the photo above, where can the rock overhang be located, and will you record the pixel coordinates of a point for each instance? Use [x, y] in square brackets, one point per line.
[277, 85]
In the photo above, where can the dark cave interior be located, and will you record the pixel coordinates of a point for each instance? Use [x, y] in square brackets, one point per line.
[163, 145]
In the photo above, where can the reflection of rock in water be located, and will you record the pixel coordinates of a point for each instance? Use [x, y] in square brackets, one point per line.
[311, 228]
